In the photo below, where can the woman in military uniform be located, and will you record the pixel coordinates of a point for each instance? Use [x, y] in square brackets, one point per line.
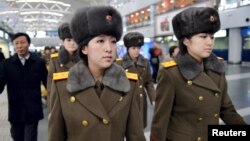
[46, 55]
[61, 62]
[95, 101]
[192, 89]
[134, 63]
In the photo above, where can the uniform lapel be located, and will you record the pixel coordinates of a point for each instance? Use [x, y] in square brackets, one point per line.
[81, 84]
[191, 70]
[109, 99]
[215, 77]
[92, 102]
[69, 64]
[205, 81]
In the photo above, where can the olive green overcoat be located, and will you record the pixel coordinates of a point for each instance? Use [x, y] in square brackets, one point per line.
[144, 83]
[78, 114]
[191, 96]
[59, 63]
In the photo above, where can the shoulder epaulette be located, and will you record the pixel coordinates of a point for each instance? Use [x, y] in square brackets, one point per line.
[169, 64]
[60, 75]
[54, 55]
[118, 59]
[220, 58]
[132, 76]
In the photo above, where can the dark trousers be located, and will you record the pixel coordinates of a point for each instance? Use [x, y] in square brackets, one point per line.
[155, 69]
[24, 131]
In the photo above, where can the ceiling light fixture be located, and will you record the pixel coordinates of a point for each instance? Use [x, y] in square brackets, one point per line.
[30, 12]
[44, 1]
[47, 20]
[8, 12]
[53, 13]
[39, 12]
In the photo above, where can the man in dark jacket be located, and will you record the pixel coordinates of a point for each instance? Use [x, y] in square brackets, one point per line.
[1, 55]
[23, 74]
[155, 52]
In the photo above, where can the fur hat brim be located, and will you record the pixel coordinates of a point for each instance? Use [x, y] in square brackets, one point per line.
[64, 31]
[196, 20]
[135, 39]
[89, 22]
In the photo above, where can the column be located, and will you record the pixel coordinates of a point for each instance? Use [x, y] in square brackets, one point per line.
[235, 46]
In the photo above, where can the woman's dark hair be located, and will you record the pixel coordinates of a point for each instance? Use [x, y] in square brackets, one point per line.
[182, 47]
[84, 57]
[171, 50]
[46, 48]
[20, 34]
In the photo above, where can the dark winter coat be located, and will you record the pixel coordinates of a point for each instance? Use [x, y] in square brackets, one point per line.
[1, 56]
[24, 87]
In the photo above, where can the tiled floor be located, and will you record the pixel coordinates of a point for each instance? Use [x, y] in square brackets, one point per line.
[238, 77]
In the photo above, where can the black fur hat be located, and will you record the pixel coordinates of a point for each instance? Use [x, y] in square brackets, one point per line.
[64, 31]
[133, 39]
[89, 22]
[195, 20]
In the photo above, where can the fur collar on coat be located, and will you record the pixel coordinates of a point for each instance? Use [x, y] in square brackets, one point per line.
[80, 78]
[128, 62]
[190, 69]
[65, 57]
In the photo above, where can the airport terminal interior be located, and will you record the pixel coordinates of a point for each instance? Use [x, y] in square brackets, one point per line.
[40, 19]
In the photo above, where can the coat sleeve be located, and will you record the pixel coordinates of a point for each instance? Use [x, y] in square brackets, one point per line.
[228, 112]
[149, 85]
[56, 125]
[44, 73]
[52, 69]
[165, 93]
[134, 130]
[2, 77]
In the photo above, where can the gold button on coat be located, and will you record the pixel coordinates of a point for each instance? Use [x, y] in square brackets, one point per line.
[140, 86]
[104, 121]
[120, 99]
[216, 94]
[216, 115]
[141, 95]
[85, 123]
[189, 82]
[72, 99]
[199, 119]
[61, 65]
[200, 98]
[199, 139]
